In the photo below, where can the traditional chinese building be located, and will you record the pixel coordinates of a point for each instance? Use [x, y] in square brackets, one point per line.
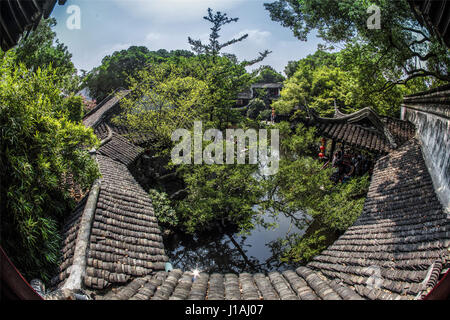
[435, 16]
[273, 91]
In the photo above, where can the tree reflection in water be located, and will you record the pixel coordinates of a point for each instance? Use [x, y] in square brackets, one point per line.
[227, 251]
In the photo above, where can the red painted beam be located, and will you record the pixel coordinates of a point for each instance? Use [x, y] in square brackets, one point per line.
[13, 284]
[441, 290]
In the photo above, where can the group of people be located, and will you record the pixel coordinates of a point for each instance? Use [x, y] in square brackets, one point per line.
[348, 165]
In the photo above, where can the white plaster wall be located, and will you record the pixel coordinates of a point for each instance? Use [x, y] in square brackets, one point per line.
[433, 131]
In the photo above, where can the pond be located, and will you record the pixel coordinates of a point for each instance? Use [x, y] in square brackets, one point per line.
[229, 251]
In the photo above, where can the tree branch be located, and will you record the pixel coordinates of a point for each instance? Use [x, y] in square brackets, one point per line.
[226, 44]
[262, 56]
[420, 41]
[416, 31]
[416, 73]
[423, 58]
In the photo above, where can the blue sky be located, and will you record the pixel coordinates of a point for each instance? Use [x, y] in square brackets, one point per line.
[111, 25]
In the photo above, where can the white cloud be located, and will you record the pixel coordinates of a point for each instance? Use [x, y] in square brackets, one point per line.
[254, 35]
[152, 36]
[173, 11]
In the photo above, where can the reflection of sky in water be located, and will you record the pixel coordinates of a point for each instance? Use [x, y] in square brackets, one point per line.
[234, 253]
[260, 237]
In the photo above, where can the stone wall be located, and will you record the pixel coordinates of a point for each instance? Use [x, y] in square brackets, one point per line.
[430, 112]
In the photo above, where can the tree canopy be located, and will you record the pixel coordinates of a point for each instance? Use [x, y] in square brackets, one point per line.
[401, 46]
[42, 49]
[116, 69]
[347, 78]
[164, 97]
[203, 87]
[267, 74]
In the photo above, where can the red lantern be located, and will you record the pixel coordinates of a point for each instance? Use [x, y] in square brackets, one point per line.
[321, 155]
[322, 148]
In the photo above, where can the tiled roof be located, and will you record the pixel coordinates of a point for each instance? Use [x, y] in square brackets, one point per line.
[359, 135]
[120, 149]
[106, 125]
[125, 240]
[104, 108]
[103, 128]
[245, 94]
[267, 85]
[402, 231]
[69, 236]
[301, 284]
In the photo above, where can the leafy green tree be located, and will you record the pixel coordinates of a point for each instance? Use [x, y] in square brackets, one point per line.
[164, 98]
[303, 186]
[347, 78]
[316, 89]
[173, 53]
[290, 68]
[226, 76]
[332, 215]
[309, 85]
[40, 145]
[401, 45]
[177, 93]
[225, 193]
[116, 69]
[173, 95]
[297, 249]
[318, 59]
[265, 115]
[255, 106]
[364, 77]
[75, 107]
[163, 208]
[339, 209]
[42, 49]
[267, 74]
[224, 79]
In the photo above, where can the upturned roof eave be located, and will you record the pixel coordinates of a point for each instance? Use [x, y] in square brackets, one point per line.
[366, 113]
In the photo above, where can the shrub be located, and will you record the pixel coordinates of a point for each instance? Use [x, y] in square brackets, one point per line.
[40, 144]
[163, 210]
[255, 107]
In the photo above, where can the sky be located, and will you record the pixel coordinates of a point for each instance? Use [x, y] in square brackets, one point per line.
[106, 26]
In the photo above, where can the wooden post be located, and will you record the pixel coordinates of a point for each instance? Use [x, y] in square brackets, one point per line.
[333, 146]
